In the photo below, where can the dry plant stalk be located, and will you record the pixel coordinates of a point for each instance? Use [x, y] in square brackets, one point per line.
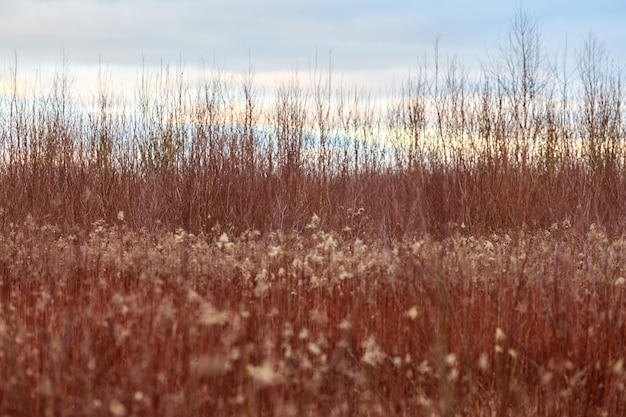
[310, 324]
[454, 249]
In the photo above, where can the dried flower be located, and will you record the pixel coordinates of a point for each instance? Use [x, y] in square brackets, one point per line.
[373, 354]
[117, 408]
[210, 316]
[315, 222]
[264, 374]
[412, 313]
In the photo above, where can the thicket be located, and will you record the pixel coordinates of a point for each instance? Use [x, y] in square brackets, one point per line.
[531, 140]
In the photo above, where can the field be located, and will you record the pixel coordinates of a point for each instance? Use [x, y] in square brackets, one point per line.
[117, 322]
[456, 247]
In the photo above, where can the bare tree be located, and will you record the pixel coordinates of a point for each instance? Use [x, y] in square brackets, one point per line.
[520, 70]
[601, 103]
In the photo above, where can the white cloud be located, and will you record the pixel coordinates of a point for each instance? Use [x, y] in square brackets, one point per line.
[279, 35]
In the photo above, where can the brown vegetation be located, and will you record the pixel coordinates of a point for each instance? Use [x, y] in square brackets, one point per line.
[135, 323]
[454, 249]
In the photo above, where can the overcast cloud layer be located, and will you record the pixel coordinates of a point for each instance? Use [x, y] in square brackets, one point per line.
[280, 35]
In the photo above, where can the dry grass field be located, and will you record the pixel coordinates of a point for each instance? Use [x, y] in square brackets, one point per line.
[455, 248]
[119, 322]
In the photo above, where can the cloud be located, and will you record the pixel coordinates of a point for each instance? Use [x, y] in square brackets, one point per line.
[278, 35]
[123, 31]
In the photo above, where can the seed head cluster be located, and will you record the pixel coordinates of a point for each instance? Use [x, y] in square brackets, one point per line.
[133, 323]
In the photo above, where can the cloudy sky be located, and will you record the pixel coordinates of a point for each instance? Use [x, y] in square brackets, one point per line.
[377, 40]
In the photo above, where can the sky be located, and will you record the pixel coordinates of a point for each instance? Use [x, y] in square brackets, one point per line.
[371, 42]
